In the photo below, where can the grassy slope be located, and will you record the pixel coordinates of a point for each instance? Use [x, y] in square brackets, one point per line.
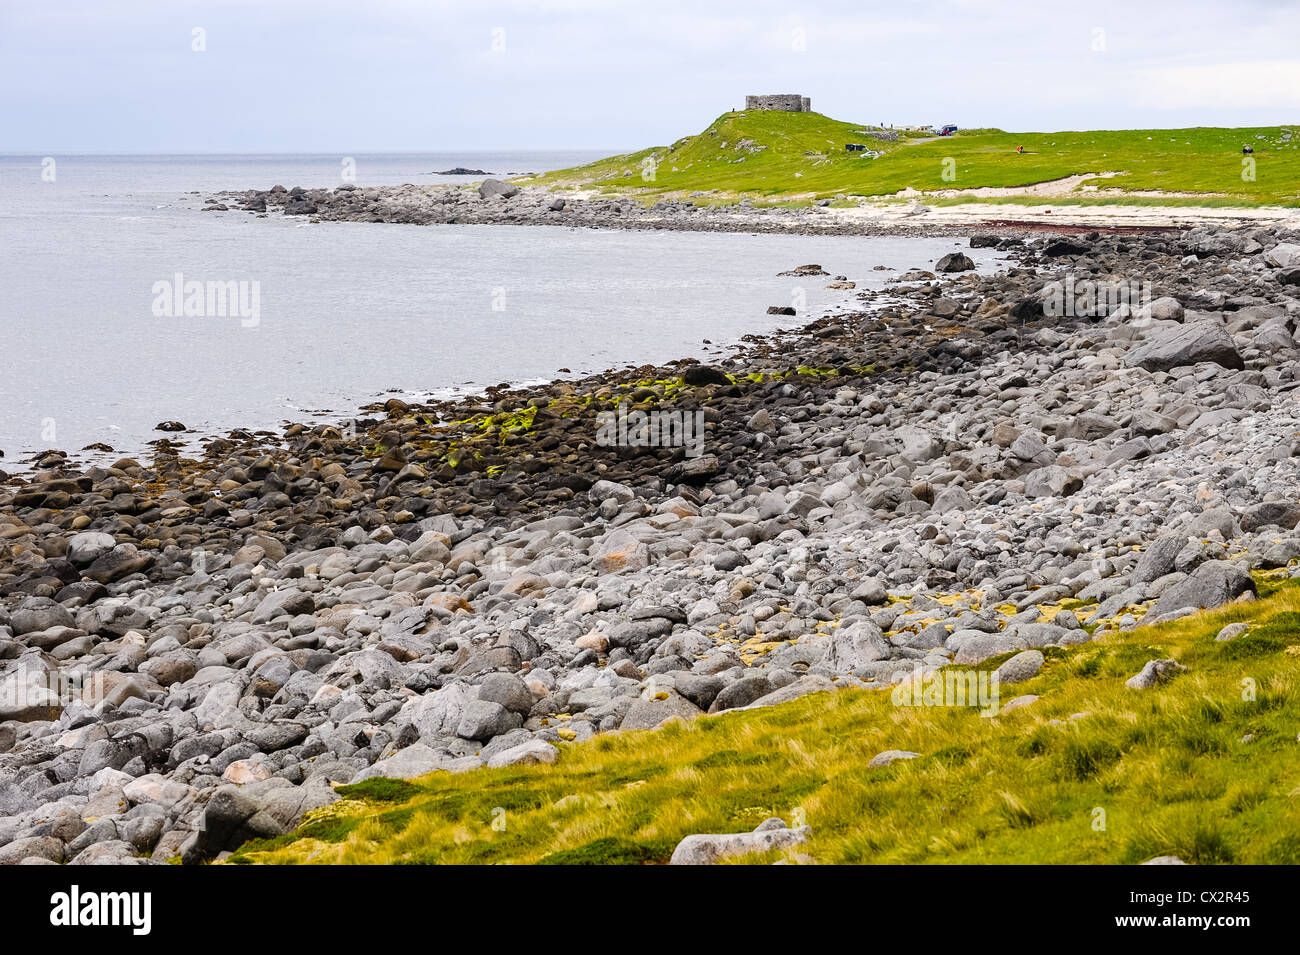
[1191, 768]
[805, 158]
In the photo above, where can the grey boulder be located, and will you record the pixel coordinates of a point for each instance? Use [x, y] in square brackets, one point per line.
[709, 849]
[1188, 344]
[495, 187]
[1023, 666]
[1212, 584]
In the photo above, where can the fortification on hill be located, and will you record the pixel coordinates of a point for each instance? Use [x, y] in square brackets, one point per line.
[786, 102]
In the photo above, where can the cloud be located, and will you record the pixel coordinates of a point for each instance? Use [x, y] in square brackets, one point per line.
[330, 75]
[1271, 84]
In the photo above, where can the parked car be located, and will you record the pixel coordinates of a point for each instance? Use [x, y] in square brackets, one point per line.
[948, 130]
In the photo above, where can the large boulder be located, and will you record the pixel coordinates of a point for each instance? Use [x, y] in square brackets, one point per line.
[438, 714]
[1023, 666]
[973, 647]
[919, 445]
[415, 760]
[39, 614]
[646, 714]
[495, 187]
[483, 719]
[954, 262]
[1154, 673]
[1284, 255]
[33, 847]
[525, 754]
[1212, 584]
[1188, 344]
[742, 693]
[231, 818]
[1285, 514]
[617, 551]
[1166, 309]
[1065, 245]
[87, 547]
[710, 849]
[508, 690]
[697, 375]
[289, 602]
[1052, 481]
[1158, 559]
[122, 561]
[855, 646]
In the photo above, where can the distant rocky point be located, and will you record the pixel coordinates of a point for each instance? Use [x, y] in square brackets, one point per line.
[461, 171]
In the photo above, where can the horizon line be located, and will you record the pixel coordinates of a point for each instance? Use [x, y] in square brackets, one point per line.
[278, 152]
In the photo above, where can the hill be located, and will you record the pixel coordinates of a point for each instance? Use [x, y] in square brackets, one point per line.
[801, 157]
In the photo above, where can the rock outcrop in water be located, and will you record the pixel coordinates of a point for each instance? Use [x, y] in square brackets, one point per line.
[193, 650]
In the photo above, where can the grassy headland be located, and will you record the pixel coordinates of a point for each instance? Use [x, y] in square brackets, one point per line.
[1205, 767]
[801, 157]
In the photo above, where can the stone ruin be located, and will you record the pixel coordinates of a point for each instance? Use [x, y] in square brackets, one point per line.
[786, 102]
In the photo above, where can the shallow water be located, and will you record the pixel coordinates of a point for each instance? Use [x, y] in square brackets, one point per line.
[346, 312]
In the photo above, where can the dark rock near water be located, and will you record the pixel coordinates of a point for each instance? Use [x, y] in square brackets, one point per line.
[495, 187]
[954, 262]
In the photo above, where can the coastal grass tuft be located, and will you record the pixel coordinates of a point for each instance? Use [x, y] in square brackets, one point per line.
[612, 850]
[380, 789]
[1205, 767]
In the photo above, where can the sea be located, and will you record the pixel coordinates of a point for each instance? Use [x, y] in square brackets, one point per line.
[309, 322]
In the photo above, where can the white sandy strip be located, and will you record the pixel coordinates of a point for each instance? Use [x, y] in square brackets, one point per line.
[1047, 214]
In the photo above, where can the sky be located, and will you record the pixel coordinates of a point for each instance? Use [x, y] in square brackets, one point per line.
[399, 75]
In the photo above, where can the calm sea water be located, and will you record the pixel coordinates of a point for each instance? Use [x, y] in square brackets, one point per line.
[346, 312]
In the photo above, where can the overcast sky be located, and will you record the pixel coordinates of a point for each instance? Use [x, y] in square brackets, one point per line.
[374, 75]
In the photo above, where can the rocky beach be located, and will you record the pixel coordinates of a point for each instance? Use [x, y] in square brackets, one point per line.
[963, 467]
[494, 202]
[518, 203]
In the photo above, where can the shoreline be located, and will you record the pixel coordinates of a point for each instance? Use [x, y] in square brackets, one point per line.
[20, 458]
[495, 202]
[896, 488]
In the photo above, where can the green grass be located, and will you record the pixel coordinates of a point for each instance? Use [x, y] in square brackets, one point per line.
[1206, 767]
[804, 159]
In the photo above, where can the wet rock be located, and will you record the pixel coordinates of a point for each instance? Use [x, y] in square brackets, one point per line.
[698, 375]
